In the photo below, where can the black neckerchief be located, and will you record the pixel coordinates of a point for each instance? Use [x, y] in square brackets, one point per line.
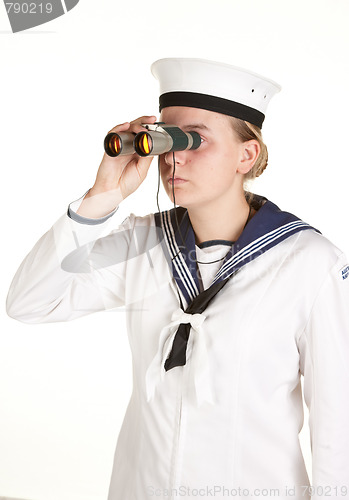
[267, 228]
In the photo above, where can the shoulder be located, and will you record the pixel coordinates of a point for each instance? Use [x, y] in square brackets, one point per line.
[308, 242]
[316, 246]
[317, 258]
[140, 220]
[152, 219]
[142, 230]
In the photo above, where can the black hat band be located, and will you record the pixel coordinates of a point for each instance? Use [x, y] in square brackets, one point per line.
[212, 103]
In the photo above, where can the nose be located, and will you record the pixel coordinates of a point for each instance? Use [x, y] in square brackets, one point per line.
[179, 157]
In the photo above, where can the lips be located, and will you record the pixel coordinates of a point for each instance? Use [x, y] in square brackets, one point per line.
[177, 180]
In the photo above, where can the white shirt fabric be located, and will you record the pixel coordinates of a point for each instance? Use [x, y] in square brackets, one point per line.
[210, 258]
[285, 314]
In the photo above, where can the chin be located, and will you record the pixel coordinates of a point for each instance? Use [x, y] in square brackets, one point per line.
[185, 203]
[185, 199]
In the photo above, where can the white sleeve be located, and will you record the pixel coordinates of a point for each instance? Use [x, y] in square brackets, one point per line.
[324, 350]
[76, 268]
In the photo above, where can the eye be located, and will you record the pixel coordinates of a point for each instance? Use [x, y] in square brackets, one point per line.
[202, 139]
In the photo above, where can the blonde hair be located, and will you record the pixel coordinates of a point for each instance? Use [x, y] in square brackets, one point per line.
[245, 131]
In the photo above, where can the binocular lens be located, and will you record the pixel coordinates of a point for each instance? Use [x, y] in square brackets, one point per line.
[113, 144]
[143, 144]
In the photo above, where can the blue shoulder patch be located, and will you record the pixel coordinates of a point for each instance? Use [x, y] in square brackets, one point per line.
[345, 272]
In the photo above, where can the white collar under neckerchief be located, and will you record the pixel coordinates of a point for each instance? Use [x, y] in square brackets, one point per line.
[269, 227]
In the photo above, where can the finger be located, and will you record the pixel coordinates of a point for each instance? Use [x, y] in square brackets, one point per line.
[144, 164]
[144, 119]
[120, 128]
[136, 125]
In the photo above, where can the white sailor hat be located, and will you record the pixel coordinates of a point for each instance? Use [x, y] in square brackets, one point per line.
[219, 87]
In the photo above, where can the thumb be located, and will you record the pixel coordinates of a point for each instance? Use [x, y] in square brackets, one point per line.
[143, 166]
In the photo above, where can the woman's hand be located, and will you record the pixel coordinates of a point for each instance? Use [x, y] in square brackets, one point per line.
[117, 177]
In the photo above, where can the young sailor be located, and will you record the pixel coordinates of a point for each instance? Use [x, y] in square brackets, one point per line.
[229, 300]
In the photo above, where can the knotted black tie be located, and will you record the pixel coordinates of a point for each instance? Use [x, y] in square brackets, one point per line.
[177, 356]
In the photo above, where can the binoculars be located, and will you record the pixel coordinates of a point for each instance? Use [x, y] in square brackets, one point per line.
[158, 139]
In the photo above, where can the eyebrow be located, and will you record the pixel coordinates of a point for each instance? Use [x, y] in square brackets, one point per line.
[199, 126]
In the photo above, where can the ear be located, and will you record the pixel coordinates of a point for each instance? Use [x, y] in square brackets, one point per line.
[249, 153]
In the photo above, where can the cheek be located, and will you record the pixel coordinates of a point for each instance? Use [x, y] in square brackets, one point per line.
[163, 165]
[164, 171]
[213, 159]
[219, 174]
[210, 151]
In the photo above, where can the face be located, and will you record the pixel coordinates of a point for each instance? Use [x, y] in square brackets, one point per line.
[213, 172]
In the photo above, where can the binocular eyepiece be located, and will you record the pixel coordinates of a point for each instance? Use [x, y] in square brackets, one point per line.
[158, 139]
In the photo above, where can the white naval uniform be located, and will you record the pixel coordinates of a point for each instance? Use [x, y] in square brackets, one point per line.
[284, 314]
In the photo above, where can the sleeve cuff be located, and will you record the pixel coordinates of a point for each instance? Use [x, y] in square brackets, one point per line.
[74, 206]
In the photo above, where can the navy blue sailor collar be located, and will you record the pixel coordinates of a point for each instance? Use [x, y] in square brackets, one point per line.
[267, 228]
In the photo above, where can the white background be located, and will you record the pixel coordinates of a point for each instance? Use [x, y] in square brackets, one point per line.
[64, 387]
